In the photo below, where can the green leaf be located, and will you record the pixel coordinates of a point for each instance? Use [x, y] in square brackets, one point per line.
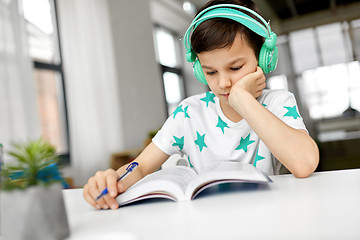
[30, 157]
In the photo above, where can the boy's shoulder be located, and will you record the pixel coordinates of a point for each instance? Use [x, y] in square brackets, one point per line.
[275, 93]
[269, 97]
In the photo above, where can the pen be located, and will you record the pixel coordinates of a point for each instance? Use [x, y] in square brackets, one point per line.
[129, 169]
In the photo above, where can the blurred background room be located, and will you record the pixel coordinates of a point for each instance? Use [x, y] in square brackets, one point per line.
[98, 78]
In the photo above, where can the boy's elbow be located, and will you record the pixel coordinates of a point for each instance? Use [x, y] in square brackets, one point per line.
[306, 167]
[303, 173]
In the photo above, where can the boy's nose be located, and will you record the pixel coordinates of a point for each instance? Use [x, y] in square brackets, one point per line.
[224, 81]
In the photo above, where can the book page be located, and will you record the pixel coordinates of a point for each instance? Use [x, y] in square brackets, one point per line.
[168, 183]
[221, 172]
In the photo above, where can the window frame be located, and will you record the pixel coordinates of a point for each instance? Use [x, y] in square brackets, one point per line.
[64, 158]
[176, 70]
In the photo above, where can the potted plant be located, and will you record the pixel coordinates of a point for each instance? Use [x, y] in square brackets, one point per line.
[32, 205]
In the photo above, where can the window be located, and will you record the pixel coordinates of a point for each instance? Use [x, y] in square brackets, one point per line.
[326, 62]
[304, 47]
[172, 88]
[168, 53]
[330, 90]
[44, 49]
[334, 43]
[355, 36]
[320, 46]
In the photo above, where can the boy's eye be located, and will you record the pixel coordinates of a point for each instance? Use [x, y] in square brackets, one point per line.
[235, 68]
[211, 73]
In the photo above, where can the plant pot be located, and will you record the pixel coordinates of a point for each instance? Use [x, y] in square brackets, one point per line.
[35, 213]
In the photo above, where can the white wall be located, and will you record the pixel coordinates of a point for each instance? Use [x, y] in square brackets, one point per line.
[140, 84]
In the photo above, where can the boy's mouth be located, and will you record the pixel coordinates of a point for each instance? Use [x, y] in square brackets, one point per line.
[225, 95]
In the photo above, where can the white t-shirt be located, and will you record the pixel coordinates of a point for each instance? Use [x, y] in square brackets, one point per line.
[199, 129]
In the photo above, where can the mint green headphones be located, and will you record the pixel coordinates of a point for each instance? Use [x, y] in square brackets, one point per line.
[269, 52]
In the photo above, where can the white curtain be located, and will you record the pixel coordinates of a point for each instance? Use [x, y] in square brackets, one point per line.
[91, 86]
[19, 119]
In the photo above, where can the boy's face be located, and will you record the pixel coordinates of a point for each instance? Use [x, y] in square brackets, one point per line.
[226, 66]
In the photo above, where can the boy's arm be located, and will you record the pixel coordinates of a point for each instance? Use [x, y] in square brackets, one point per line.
[149, 161]
[292, 147]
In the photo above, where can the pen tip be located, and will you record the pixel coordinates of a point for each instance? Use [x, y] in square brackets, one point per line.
[98, 197]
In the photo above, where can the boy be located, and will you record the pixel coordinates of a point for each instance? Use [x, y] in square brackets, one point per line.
[238, 120]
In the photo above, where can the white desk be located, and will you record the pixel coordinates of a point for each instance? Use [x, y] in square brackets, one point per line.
[323, 206]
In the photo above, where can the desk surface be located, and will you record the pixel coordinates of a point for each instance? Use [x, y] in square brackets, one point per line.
[324, 206]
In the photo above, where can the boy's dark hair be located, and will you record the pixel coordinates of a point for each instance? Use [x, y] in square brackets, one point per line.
[220, 32]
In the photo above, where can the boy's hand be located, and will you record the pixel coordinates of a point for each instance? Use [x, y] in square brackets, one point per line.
[253, 83]
[97, 184]
[149, 161]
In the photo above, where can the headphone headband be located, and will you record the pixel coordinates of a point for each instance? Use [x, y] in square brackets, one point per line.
[233, 6]
[227, 11]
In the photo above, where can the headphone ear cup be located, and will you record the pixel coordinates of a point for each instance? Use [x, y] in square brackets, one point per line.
[198, 72]
[268, 58]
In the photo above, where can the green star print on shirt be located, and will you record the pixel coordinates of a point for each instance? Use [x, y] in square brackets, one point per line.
[178, 110]
[244, 143]
[292, 112]
[200, 141]
[258, 157]
[221, 124]
[209, 98]
[185, 111]
[179, 142]
[190, 162]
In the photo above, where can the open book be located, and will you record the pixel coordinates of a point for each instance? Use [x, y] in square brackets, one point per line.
[183, 183]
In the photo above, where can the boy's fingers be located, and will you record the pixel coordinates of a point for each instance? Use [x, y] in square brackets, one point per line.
[121, 187]
[257, 73]
[92, 188]
[259, 76]
[259, 70]
[258, 94]
[255, 77]
[96, 186]
[111, 202]
[89, 197]
[262, 85]
[111, 180]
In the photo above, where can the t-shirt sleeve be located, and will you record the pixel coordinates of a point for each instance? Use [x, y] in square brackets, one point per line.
[170, 138]
[283, 105]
